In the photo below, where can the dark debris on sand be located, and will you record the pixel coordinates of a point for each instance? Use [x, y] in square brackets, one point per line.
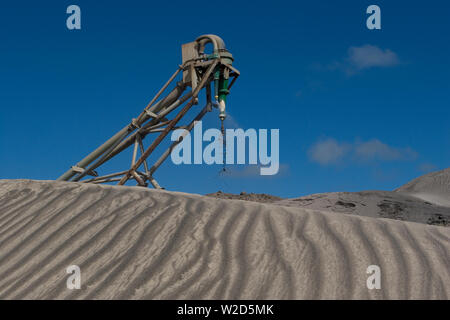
[256, 197]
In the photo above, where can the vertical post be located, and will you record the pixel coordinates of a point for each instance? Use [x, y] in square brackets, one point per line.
[136, 143]
[141, 145]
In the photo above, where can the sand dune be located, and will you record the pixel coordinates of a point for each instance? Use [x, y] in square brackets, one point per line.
[376, 204]
[136, 243]
[433, 187]
[424, 200]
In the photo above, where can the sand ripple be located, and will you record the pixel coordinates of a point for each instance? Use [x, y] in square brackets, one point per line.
[134, 243]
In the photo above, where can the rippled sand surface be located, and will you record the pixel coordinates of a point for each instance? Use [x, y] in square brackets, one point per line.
[135, 243]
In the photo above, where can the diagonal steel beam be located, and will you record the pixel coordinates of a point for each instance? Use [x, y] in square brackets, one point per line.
[169, 127]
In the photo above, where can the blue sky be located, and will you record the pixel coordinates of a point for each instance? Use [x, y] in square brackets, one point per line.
[357, 109]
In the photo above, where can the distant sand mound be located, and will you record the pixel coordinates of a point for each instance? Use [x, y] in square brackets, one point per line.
[424, 200]
[376, 204]
[433, 187]
[136, 243]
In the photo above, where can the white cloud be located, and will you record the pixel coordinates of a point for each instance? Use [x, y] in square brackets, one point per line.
[330, 151]
[377, 150]
[327, 151]
[363, 57]
[369, 56]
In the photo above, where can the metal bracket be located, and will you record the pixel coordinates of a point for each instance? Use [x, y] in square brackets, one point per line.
[151, 114]
[77, 169]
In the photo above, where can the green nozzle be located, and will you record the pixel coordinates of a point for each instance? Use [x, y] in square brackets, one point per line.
[223, 89]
